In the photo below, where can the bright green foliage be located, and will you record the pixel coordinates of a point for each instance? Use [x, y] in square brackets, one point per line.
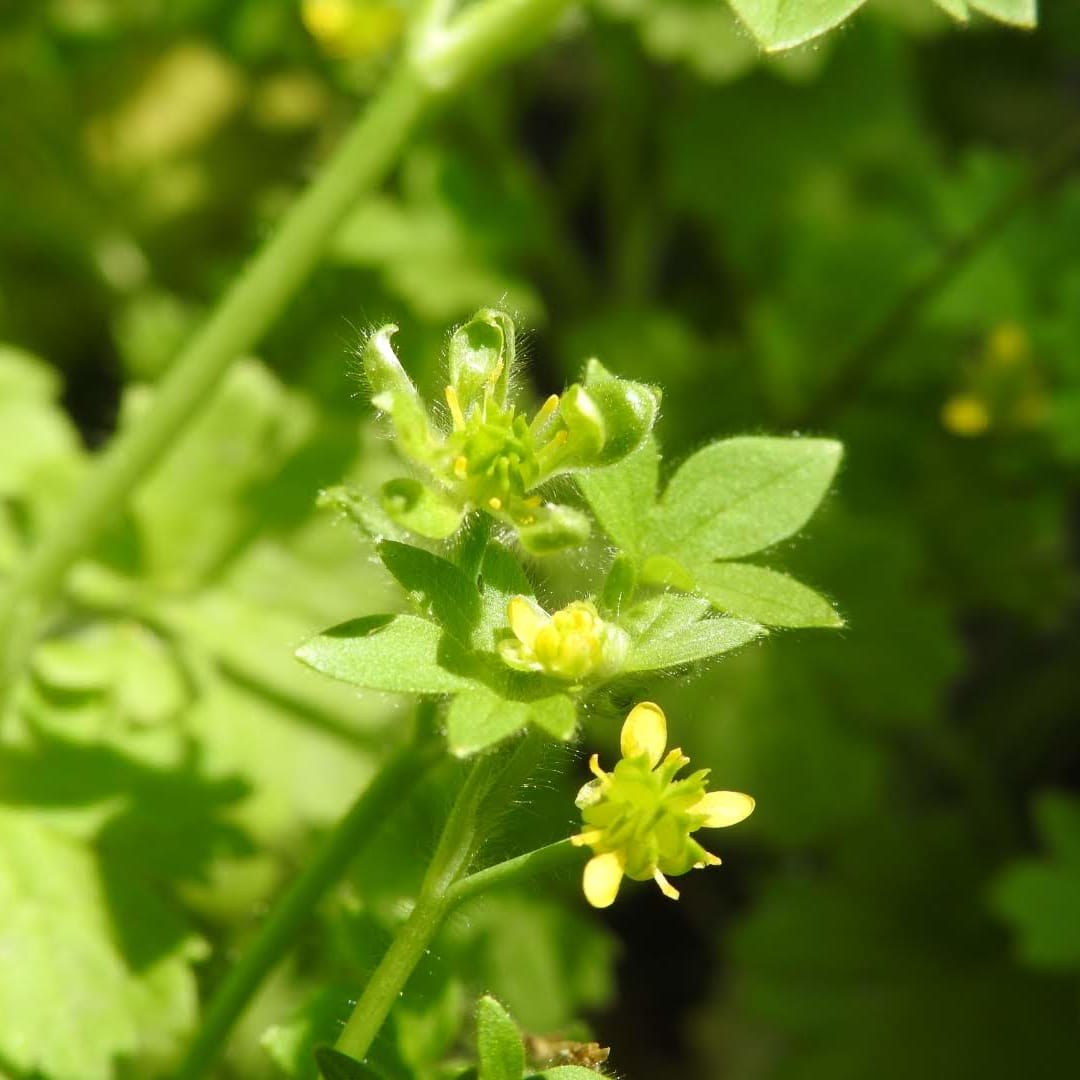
[783, 24]
[498, 1043]
[763, 595]
[1040, 897]
[337, 1066]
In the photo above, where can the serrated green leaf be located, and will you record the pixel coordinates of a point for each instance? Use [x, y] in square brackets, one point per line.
[501, 576]
[441, 589]
[396, 653]
[671, 630]
[958, 9]
[556, 714]
[480, 718]
[500, 1050]
[741, 495]
[622, 495]
[783, 24]
[334, 1065]
[1015, 12]
[763, 596]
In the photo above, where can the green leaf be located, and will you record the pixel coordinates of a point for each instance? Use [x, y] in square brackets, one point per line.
[418, 508]
[1016, 12]
[741, 495]
[556, 714]
[673, 629]
[501, 576]
[958, 9]
[71, 1001]
[334, 1065]
[783, 24]
[397, 653]
[499, 1047]
[1041, 897]
[436, 584]
[622, 495]
[763, 596]
[480, 718]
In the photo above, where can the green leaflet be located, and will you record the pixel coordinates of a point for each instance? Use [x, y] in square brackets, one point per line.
[556, 714]
[499, 1047]
[763, 596]
[438, 586]
[622, 495]
[783, 24]
[397, 653]
[740, 495]
[480, 718]
[673, 629]
[1017, 12]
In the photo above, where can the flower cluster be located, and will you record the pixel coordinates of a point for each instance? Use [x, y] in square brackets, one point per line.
[572, 644]
[638, 818]
[490, 457]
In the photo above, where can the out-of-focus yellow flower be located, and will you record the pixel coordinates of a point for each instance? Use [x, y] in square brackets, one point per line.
[353, 29]
[1007, 344]
[965, 414]
[573, 644]
[638, 818]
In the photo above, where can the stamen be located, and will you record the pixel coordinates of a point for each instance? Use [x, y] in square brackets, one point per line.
[455, 408]
[461, 467]
[495, 502]
[666, 887]
[587, 838]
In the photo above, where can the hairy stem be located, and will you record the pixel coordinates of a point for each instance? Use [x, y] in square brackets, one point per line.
[397, 777]
[490, 779]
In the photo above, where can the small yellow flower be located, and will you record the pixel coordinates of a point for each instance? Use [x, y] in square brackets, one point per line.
[572, 644]
[966, 415]
[638, 818]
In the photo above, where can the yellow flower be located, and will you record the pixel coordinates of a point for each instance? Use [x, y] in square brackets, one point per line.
[572, 644]
[638, 818]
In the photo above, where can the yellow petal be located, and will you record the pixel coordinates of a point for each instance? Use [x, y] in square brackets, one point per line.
[666, 887]
[603, 876]
[587, 838]
[723, 808]
[526, 620]
[645, 732]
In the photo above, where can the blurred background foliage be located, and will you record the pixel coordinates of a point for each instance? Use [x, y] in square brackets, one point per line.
[810, 242]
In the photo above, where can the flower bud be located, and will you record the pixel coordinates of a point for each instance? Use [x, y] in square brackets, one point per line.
[627, 411]
[481, 358]
[393, 392]
[554, 528]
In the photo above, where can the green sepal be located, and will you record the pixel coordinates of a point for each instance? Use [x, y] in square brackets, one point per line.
[499, 1049]
[362, 510]
[420, 509]
[480, 718]
[555, 528]
[585, 428]
[627, 410]
[666, 572]
[763, 596]
[481, 356]
[334, 1065]
[399, 654]
[393, 392]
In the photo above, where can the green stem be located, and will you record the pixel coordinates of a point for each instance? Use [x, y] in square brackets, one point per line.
[487, 33]
[510, 872]
[490, 780]
[398, 775]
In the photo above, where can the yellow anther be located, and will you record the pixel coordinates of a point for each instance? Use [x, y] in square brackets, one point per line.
[532, 502]
[461, 467]
[546, 410]
[965, 414]
[589, 837]
[495, 502]
[455, 408]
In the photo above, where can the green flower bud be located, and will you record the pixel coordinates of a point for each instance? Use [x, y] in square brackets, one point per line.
[481, 360]
[420, 509]
[627, 411]
[553, 528]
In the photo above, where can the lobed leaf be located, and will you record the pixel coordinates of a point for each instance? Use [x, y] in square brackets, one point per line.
[622, 495]
[443, 590]
[479, 718]
[783, 24]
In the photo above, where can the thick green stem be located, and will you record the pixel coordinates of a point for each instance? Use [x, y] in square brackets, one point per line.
[491, 779]
[486, 34]
[391, 785]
